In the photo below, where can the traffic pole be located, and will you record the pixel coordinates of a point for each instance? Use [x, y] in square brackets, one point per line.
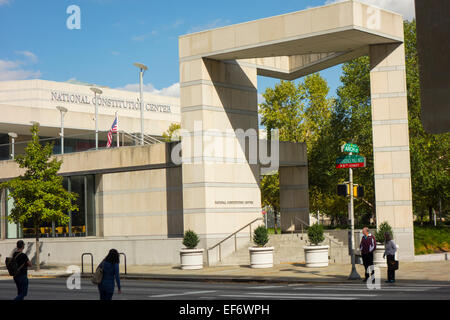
[354, 274]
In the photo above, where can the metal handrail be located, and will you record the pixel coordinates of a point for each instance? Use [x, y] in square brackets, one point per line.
[147, 138]
[326, 236]
[92, 262]
[228, 237]
[54, 138]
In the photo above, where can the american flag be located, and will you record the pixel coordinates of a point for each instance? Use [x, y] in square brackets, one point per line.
[111, 131]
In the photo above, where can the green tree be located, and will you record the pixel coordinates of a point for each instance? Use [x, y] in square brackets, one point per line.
[429, 152]
[351, 122]
[171, 133]
[283, 109]
[270, 194]
[39, 195]
[300, 112]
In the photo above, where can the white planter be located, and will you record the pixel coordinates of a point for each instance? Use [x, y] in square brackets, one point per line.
[378, 259]
[316, 256]
[261, 257]
[191, 259]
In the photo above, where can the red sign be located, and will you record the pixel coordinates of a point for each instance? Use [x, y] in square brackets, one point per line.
[350, 165]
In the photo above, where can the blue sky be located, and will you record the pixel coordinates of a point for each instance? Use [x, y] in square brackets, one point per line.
[36, 43]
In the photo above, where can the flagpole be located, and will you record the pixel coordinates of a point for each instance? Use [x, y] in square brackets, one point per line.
[117, 117]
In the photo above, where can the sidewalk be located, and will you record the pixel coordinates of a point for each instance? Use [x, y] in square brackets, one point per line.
[438, 271]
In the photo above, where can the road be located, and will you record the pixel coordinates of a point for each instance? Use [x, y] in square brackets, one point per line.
[56, 289]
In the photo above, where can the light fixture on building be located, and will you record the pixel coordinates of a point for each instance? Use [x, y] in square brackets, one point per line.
[96, 91]
[142, 69]
[62, 111]
[13, 136]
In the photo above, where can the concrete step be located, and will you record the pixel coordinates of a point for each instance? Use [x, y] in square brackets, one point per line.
[288, 248]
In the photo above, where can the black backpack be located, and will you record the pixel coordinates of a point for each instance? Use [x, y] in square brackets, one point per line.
[12, 266]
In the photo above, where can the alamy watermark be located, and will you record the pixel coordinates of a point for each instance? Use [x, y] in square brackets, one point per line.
[74, 20]
[225, 146]
[374, 281]
[73, 282]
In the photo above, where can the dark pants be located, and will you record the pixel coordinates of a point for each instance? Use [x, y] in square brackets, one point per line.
[390, 272]
[367, 261]
[105, 294]
[22, 286]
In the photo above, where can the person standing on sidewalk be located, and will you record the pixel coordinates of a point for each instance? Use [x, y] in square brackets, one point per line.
[21, 278]
[389, 253]
[110, 267]
[367, 247]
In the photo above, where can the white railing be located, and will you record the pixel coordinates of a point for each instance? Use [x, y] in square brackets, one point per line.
[234, 234]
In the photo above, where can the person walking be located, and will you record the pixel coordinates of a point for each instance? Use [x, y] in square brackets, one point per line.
[389, 253]
[367, 247]
[21, 278]
[110, 267]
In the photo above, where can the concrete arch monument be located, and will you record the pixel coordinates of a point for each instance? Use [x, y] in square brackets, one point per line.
[218, 80]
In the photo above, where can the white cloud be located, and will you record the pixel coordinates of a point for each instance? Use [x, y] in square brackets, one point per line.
[177, 23]
[4, 2]
[142, 37]
[29, 55]
[210, 25]
[14, 70]
[261, 98]
[171, 91]
[403, 7]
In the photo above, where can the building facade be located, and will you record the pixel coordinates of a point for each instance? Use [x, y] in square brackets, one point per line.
[36, 100]
[141, 199]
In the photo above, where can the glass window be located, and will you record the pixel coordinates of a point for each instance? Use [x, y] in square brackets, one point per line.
[81, 223]
[12, 230]
[90, 205]
[4, 147]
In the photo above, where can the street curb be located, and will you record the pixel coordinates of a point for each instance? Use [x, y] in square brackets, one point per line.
[197, 278]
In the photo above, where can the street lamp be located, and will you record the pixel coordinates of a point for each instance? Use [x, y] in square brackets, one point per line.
[142, 69]
[13, 136]
[62, 110]
[96, 91]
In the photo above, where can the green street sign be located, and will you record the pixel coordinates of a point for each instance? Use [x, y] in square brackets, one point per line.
[348, 147]
[351, 161]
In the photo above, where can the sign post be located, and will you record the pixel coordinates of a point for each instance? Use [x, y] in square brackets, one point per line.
[351, 161]
[354, 274]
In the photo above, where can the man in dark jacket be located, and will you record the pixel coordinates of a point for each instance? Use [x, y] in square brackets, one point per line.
[21, 279]
[367, 247]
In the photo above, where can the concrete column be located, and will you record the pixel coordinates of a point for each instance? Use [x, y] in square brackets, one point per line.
[294, 198]
[391, 144]
[220, 187]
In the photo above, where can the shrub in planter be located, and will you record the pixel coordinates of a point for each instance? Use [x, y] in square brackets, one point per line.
[261, 256]
[382, 229]
[261, 236]
[191, 258]
[190, 239]
[316, 255]
[378, 259]
[315, 234]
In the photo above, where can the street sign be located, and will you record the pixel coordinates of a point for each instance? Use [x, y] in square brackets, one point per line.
[348, 147]
[351, 161]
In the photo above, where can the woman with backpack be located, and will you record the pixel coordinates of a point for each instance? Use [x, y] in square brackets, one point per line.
[110, 266]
